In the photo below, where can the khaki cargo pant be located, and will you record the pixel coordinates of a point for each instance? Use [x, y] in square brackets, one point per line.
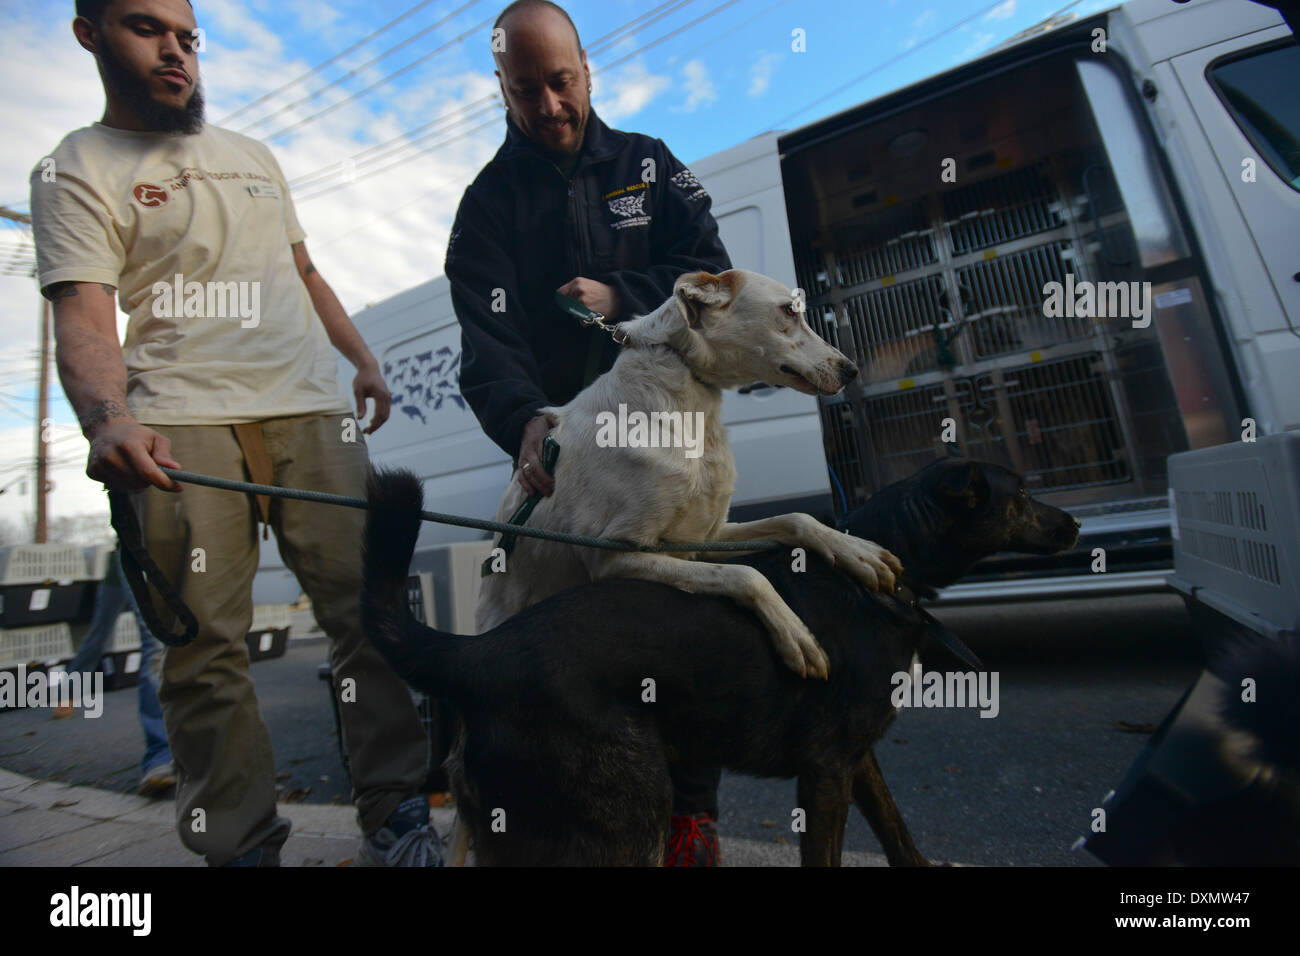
[220, 745]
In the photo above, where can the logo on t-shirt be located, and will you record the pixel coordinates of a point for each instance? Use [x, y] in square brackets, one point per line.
[147, 194]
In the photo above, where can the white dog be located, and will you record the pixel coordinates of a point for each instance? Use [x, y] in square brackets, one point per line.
[674, 479]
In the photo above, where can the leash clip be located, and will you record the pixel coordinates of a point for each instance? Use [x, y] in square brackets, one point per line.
[590, 317]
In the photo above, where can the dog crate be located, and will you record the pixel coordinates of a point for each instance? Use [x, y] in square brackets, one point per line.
[936, 286]
[269, 633]
[1237, 531]
[43, 584]
[44, 644]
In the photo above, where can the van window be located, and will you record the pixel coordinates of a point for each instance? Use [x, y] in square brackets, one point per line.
[1263, 102]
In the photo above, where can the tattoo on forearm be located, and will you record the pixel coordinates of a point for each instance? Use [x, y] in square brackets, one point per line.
[101, 412]
[311, 267]
[67, 290]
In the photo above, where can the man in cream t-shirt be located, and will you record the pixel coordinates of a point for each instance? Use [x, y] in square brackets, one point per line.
[229, 367]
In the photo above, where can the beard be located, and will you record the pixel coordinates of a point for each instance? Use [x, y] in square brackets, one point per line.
[134, 92]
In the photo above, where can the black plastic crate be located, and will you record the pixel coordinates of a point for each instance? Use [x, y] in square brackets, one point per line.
[266, 643]
[22, 605]
[121, 669]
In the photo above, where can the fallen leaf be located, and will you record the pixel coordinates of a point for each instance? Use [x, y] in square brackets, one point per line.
[312, 862]
[952, 769]
[64, 803]
[779, 839]
[769, 823]
[296, 795]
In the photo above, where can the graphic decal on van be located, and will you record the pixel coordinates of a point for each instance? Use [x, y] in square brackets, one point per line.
[424, 381]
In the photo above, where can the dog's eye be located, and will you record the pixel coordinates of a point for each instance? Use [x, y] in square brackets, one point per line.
[791, 311]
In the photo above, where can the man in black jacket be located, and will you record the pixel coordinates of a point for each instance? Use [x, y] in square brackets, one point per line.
[606, 217]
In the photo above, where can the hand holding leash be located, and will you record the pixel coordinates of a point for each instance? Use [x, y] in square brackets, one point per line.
[533, 476]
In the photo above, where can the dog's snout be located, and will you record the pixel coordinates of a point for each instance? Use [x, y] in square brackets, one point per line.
[848, 372]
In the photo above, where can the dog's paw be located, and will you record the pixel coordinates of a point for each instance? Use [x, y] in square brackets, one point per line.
[867, 561]
[800, 650]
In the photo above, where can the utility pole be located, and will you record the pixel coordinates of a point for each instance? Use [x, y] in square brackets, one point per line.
[42, 412]
[42, 394]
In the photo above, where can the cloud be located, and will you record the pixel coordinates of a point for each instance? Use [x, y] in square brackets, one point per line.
[629, 93]
[699, 86]
[1002, 11]
[925, 19]
[371, 240]
[978, 45]
[760, 74]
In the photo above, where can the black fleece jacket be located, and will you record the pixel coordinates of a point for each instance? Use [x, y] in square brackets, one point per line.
[632, 217]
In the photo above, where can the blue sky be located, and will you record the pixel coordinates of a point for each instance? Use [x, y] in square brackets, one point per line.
[701, 74]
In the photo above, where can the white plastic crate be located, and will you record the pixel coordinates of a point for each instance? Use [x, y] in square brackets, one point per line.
[36, 563]
[42, 644]
[97, 557]
[270, 616]
[1236, 528]
[126, 634]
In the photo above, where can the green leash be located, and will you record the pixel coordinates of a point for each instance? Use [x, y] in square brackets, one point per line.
[596, 347]
[550, 454]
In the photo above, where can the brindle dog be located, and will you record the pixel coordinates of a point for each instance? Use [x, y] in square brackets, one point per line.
[573, 710]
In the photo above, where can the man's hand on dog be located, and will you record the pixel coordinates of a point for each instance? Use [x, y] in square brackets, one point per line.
[594, 295]
[533, 478]
[125, 456]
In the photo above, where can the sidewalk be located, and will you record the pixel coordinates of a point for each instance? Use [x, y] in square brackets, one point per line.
[52, 824]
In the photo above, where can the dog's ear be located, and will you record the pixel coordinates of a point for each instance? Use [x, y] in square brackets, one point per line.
[696, 292]
[961, 482]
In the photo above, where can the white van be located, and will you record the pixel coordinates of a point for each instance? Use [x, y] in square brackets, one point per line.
[1152, 149]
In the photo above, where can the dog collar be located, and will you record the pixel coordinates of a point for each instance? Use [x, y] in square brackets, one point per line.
[905, 595]
[619, 334]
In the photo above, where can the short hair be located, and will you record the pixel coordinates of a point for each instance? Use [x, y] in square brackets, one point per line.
[519, 5]
[93, 10]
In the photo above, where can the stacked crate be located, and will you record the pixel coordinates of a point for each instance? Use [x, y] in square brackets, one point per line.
[44, 592]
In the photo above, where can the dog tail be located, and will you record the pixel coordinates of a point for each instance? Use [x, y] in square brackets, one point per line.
[427, 659]
[1260, 698]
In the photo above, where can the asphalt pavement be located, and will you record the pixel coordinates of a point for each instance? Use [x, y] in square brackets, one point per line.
[1081, 684]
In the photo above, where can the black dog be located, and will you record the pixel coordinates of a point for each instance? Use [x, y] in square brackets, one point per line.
[574, 709]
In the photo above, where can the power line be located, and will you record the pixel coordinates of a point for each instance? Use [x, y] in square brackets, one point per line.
[380, 82]
[369, 63]
[475, 108]
[441, 144]
[320, 66]
[880, 66]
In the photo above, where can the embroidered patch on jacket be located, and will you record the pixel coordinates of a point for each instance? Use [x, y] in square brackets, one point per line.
[687, 183]
[630, 209]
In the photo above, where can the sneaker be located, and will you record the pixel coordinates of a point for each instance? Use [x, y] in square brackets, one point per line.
[407, 838]
[693, 841]
[157, 780]
[261, 856]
